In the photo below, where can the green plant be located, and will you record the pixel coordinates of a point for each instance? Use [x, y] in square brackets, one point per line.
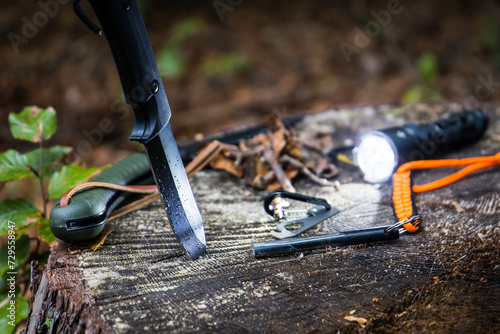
[223, 65]
[428, 71]
[170, 60]
[172, 64]
[46, 166]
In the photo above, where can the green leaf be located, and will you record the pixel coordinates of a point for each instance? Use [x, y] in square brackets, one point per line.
[13, 166]
[171, 63]
[68, 177]
[170, 60]
[24, 228]
[51, 157]
[224, 65]
[27, 124]
[4, 260]
[183, 30]
[44, 232]
[21, 249]
[418, 93]
[3, 287]
[9, 319]
[17, 211]
[427, 66]
[413, 94]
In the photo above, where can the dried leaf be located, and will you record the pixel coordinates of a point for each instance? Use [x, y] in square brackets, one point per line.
[361, 321]
[259, 159]
[93, 244]
[292, 148]
[262, 182]
[274, 124]
[273, 186]
[277, 135]
[457, 206]
[99, 240]
[279, 143]
[291, 173]
[219, 161]
[260, 138]
[256, 172]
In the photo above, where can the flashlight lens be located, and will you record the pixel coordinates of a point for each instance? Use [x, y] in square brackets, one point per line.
[376, 157]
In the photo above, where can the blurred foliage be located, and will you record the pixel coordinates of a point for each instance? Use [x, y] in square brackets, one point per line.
[489, 37]
[171, 61]
[44, 165]
[20, 313]
[224, 65]
[144, 5]
[427, 67]
[428, 71]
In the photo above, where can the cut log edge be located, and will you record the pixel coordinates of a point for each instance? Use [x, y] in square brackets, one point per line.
[61, 300]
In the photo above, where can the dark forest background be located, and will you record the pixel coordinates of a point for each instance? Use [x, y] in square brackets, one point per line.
[227, 63]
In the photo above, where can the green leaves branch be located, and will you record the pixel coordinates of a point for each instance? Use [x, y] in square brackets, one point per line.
[54, 176]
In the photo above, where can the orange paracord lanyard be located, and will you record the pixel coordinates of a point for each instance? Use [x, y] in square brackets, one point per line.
[403, 189]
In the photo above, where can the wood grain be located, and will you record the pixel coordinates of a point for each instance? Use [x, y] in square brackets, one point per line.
[143, 282]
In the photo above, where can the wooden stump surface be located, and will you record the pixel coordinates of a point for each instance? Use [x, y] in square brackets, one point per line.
[443, 278]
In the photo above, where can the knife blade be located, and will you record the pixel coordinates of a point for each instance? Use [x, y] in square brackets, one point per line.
[125, 31]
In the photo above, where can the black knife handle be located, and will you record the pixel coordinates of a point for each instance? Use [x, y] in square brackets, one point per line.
[124, 28]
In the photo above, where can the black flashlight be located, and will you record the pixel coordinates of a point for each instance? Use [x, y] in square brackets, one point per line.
[379, 153]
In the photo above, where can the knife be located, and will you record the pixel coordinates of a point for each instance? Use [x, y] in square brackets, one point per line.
[124, 28]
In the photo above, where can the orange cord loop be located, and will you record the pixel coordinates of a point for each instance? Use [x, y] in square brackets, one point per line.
[403, 190]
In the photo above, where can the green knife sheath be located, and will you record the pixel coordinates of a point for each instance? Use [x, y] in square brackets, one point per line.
[87, 211]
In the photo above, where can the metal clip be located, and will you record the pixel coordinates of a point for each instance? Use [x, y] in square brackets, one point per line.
[277, 205]
[401, 223]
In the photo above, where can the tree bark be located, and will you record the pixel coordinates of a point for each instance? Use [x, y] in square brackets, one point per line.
[444, 277]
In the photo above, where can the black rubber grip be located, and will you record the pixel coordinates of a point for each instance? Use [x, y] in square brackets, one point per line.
[128, 39]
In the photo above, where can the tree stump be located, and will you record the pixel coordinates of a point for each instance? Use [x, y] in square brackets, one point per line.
[443, 278]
